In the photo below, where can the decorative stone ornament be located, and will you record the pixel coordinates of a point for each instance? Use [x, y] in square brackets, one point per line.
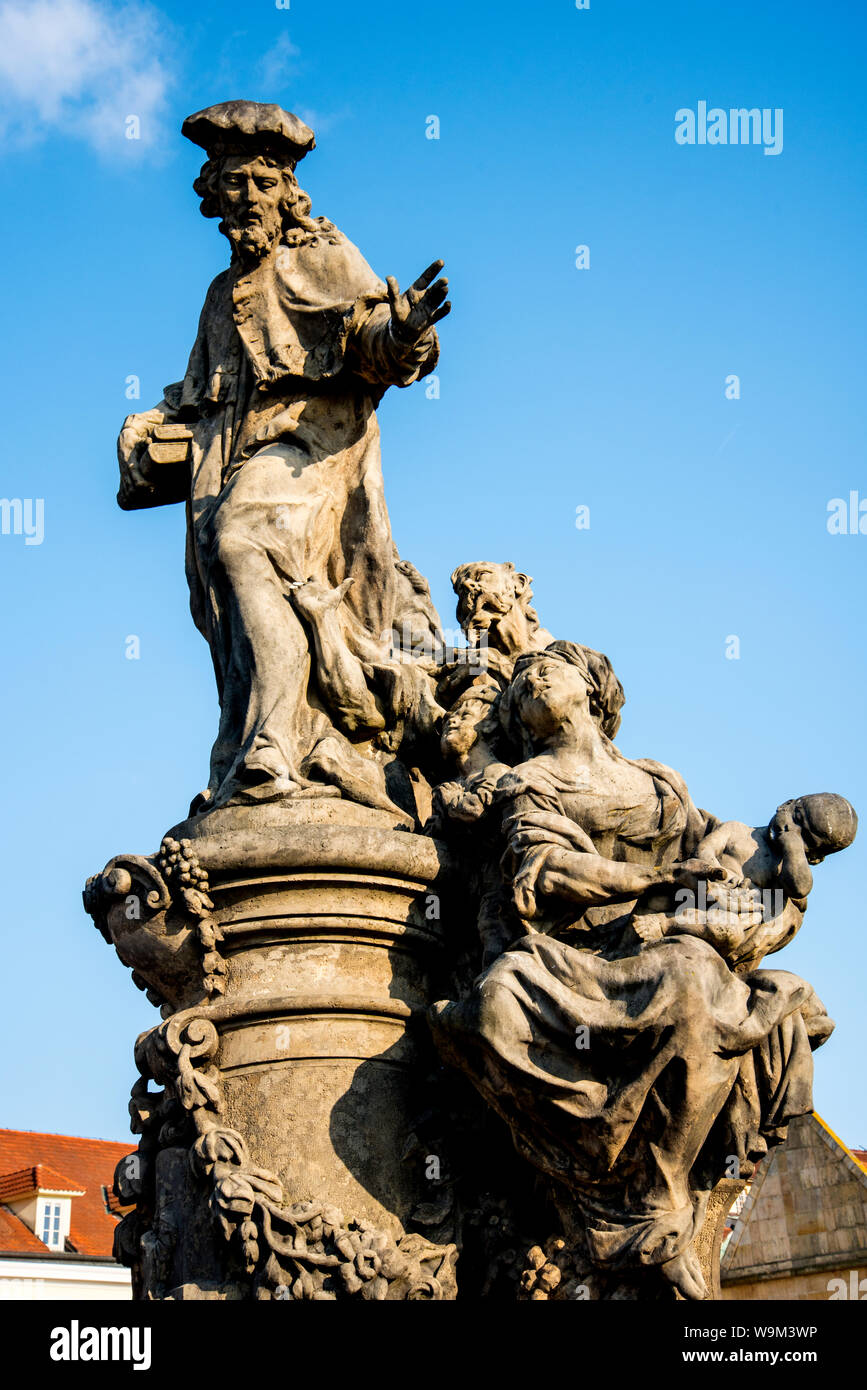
[457, 1000]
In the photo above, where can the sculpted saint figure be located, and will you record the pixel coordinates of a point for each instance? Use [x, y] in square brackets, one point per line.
[272, 441]
[629, 1058]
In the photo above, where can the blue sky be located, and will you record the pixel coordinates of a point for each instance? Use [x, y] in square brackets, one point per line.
[560, 388]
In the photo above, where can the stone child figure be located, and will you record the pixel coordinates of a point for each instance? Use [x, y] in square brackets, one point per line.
[758, 903]
[271, 438]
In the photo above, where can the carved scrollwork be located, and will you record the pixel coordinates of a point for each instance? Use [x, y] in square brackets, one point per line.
[157, 913]
[120, 879]
[194, 1043]
[304, 1251]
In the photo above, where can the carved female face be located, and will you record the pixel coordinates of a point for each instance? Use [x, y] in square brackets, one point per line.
[547, 693]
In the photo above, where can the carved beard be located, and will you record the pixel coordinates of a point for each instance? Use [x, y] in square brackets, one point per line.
[252, 238]
[486, 612]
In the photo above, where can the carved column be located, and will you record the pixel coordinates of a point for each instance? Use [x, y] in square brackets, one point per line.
[293, 956]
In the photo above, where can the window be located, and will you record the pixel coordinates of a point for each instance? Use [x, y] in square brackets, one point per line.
[51, 1225]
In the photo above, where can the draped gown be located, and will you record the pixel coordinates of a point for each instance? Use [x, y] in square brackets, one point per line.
[632, 1071]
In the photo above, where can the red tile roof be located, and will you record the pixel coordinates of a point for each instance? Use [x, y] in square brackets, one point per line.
[114, 1206]
[89, 1163]
[36, 1178]
[16, 1237]
[860, 1155]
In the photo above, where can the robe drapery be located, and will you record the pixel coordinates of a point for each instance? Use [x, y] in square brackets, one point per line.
[290, 361]
[685, 1065]
[632, 1071]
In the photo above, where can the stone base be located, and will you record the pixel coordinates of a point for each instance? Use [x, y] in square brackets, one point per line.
[294, 949]
[292, 954]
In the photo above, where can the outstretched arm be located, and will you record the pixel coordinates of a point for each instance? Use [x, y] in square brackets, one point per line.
[590, 880]
[549, 854]
[395, 343]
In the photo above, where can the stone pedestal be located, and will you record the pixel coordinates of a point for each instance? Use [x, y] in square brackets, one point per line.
[293, 955]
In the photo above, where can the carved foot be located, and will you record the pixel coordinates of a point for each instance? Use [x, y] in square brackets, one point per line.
[684, 1272]
[360, 779]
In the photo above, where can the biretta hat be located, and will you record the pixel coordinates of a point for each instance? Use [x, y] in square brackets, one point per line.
[242, 126]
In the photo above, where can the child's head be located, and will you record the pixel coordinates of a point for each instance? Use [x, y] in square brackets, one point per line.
[827, 823]
[470, 718]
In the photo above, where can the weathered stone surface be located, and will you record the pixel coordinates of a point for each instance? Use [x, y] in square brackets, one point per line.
[295, 1016]
[625, 1034]
[387, 824]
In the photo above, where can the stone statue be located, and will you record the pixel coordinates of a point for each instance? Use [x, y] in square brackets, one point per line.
[494, 606]
[388, 821]
[500, 626]
[271, 439]
[630, 1042]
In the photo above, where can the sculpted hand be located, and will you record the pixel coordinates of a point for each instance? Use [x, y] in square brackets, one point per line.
[691, 872]
[135, 435]
[457, 803]
[137, 429]
[484, 784]
[413, 314]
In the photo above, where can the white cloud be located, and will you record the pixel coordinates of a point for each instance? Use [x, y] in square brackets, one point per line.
[321, 122]
[277, 63]
[273, 72]
[82, 67]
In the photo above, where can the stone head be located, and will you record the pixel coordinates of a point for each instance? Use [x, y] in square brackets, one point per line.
[827, 823]
[494, 599]
[248, 180]
[547, 692]
[470, 718]
[563, 684]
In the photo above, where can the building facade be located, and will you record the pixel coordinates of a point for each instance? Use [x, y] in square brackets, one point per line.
[802, 1230]
[58, 1216]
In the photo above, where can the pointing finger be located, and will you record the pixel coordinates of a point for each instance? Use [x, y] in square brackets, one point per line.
[427, 275]
[393, 291]
[435, 295]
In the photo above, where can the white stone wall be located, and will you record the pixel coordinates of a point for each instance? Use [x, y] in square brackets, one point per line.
[63, 1279]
